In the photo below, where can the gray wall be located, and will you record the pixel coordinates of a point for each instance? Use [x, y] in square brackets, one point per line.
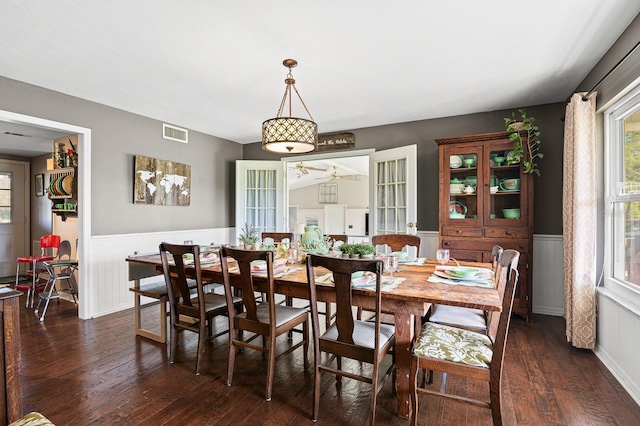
[117, 136]
[621, 78]
[547, 188]
[40, 206]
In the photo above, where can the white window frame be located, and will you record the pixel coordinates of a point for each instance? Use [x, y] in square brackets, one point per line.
[613, 163]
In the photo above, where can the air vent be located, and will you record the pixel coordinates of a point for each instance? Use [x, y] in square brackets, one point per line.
[17, 134]
[175, 133]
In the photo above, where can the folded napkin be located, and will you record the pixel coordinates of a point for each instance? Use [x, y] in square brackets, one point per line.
[261, 265]
[205, 259]
[417, 262]
[453, 281]
[368, 281]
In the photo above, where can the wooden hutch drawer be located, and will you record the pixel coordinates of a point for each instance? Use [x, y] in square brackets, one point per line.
[454, 231]
[506, 233]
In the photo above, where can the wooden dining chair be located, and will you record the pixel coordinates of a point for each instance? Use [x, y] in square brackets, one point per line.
[461, 352]
[397, 242]
[187, 312]
[467, 318]
[278, 236]
[266, 319]
[348, 337]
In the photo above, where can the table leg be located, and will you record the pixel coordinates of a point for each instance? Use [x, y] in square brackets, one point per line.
[404, 335]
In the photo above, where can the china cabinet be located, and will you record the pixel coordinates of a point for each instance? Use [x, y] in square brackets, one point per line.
[486, 199]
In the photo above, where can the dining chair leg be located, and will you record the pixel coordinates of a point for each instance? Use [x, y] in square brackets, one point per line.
[202, 327]
[316, 382]
[231, 359]
[305, 336]
[174, 343]
[271, 367]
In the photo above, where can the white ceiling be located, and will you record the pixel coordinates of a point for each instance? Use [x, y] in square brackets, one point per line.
[215, 66]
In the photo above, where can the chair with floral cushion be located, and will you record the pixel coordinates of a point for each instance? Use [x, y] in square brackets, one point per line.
[461, 352]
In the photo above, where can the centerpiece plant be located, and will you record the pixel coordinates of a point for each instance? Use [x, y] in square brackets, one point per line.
[249, 236]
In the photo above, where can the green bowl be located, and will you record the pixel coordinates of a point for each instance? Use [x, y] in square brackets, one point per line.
[511, 213]
[401, 255]
[462, 271]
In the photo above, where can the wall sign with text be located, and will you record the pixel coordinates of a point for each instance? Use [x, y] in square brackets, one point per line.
[336, 141]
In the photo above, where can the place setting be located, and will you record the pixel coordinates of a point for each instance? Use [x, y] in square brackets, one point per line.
[459, 275]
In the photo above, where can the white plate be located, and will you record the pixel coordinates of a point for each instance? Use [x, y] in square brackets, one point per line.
[455, 161]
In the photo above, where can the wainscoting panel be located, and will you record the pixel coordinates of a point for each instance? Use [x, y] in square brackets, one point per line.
[548, 275]
[109, 283]
[618, 341]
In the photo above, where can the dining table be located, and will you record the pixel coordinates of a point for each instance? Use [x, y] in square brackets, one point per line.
[408, 300]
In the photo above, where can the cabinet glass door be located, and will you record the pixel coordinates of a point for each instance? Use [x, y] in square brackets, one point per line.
[465, 170]
[505, 185]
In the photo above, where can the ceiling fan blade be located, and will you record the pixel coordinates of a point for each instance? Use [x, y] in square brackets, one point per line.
[316, 169]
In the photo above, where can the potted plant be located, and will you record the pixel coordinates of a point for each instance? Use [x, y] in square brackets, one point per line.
[249, 236]
[347, 249]
[515, 125]
[365, 250]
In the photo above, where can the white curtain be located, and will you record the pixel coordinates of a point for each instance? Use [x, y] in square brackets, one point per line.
[579, 219]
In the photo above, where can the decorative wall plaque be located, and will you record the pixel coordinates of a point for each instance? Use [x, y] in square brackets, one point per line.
[336, 141]
[161, 182]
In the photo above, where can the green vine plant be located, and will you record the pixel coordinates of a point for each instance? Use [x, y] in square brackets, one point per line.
[515, 125]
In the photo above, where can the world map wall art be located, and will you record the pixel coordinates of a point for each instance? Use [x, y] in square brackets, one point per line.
[161, 182]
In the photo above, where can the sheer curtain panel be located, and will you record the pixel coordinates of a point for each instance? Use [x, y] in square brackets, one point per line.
[579, 218]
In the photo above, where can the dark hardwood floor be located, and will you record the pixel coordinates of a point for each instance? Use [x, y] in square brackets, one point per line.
[97, 372]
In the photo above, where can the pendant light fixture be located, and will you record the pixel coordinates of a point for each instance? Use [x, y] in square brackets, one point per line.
[289, 135]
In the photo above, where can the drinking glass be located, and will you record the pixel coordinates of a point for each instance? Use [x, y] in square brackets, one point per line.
[442, 256]
[391, 264]
[292, 255]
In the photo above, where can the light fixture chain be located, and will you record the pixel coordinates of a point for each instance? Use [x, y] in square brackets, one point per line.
[302, 102]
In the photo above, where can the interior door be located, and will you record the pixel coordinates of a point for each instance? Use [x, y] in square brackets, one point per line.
[392, 191]
[260, 196]
[14, 204]
[335, 219]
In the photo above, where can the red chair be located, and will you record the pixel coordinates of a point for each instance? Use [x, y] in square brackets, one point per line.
[33, 268]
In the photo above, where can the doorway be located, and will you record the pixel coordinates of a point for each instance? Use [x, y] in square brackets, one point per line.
[332, 191]
[84, 195]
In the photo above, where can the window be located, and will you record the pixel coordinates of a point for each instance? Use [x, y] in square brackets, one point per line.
[5, 198]
[260, 199]
[391, 187]
[622, 192]
[328, 193]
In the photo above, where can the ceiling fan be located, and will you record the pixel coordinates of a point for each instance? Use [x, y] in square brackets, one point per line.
[335, 175]
[304, 170]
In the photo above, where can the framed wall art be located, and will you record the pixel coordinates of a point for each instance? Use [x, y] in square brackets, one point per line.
[40, 185]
